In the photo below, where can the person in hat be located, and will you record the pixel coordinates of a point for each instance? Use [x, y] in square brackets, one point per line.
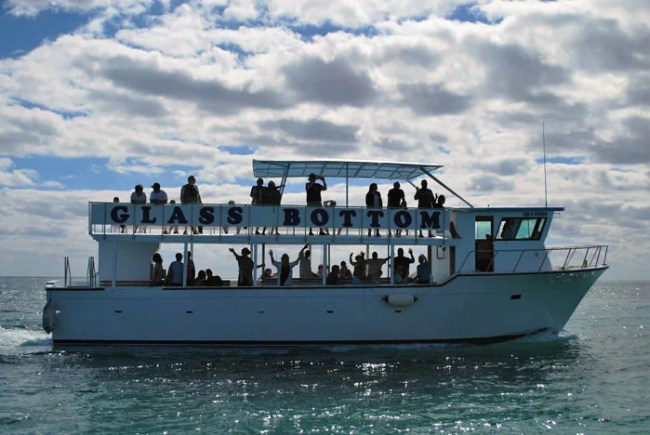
[158, 197]
[246, 266]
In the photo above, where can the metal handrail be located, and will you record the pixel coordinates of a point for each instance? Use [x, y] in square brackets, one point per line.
[571, 250]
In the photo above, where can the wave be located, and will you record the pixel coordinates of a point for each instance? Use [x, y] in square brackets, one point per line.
[23, 341]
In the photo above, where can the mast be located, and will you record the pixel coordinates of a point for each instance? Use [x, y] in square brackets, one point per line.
[544, 148]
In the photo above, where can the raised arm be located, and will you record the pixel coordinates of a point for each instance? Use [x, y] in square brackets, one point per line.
[324, 182]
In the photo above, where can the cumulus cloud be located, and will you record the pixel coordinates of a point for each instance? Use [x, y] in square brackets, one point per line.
[187, 87]
[332, 83]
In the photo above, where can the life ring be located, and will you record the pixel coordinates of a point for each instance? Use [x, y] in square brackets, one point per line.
[48, 317]
[400, 299]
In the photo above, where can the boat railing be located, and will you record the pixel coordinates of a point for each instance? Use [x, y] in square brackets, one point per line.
[230, 220]
[532, 260]
[89, 281]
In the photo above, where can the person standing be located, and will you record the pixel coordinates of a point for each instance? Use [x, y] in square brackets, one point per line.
[305, 263]
[175, 271]
[246, 266]
[158, 197]
[285, 268]
[314, 198]
[273, 198]
[258, 197]
[139, 197]
[374, 264]
[157, 271]
[191, 269]
[423, 270]
[190, 195]
[373, 200]
[396, 199]
[425, 199]
[402, 263]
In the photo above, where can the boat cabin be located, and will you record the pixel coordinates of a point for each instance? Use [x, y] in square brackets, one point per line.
[465, 240]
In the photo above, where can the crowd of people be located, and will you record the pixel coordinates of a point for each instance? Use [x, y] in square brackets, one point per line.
[271, 195]
[364, 269]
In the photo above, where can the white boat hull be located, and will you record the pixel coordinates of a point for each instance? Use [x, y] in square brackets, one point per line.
[469, 308]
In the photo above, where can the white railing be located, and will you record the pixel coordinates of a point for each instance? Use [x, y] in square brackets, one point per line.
[570, 258]
[91, 275]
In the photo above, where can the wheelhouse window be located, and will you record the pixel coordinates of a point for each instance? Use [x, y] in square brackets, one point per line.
[521, 228]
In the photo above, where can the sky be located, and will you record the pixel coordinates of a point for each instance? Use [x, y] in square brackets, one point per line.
[99, 95]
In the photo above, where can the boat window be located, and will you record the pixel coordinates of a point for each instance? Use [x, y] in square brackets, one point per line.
[483, 227]
[521, 228]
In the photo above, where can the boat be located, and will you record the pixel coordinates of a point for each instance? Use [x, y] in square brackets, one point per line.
[490, 276]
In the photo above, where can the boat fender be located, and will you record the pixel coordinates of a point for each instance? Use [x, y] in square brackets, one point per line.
[400, 299]
[48, 317]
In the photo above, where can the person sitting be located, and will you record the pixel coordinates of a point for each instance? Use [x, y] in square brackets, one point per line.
[157, 270]
[212, 280]
[333, 276]
[284, 268]
[319, 271]
[175, 271]
[201, 279]
[423, 270]
[399, 275]
[374, 265]
[344, 272]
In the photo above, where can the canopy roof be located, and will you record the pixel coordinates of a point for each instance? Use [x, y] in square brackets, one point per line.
[341, 169]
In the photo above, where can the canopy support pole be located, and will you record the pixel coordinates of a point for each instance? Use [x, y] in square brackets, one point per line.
[445, 186]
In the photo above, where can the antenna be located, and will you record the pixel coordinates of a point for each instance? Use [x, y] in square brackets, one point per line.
[545, 188]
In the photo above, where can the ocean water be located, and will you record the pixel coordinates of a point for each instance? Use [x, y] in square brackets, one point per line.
[593, 378]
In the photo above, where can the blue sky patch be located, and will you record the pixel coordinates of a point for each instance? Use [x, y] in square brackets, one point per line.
[240, 150]
[27, 33]
[562, 160]
[469, 13]
[64, 114]
[93, 173]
